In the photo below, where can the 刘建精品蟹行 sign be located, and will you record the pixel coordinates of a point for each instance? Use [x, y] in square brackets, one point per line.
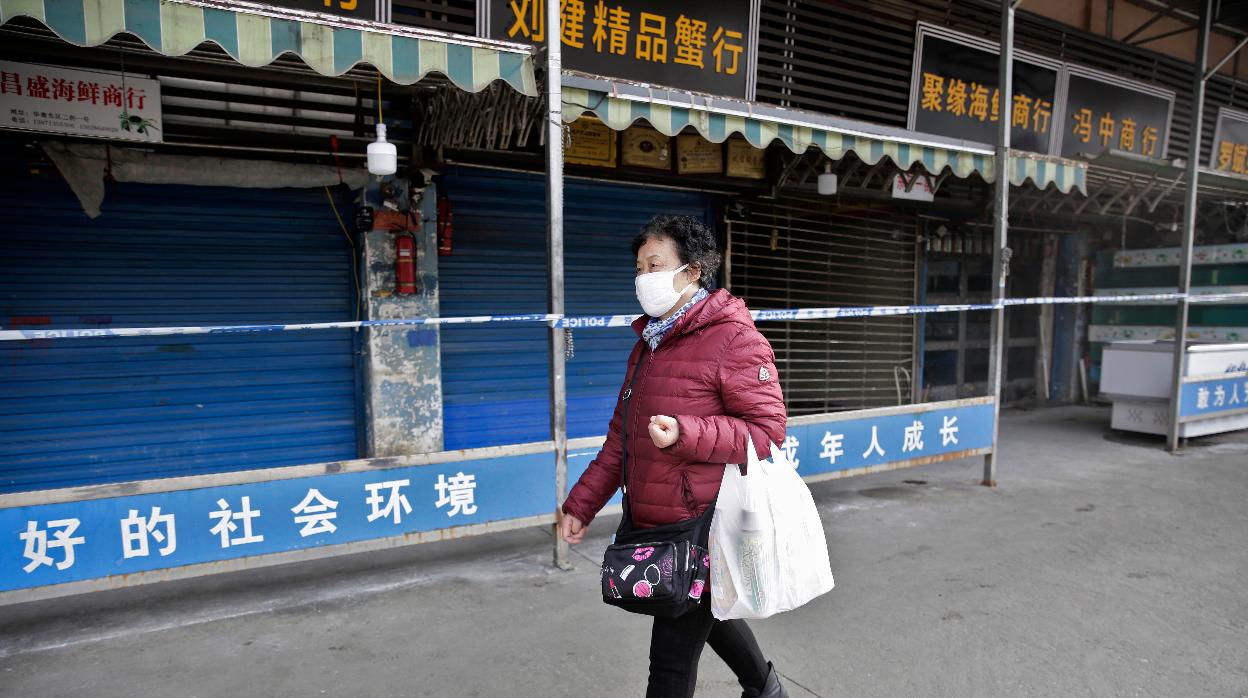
[696, 45]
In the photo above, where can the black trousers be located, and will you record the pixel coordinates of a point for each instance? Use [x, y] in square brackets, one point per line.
[676, 644]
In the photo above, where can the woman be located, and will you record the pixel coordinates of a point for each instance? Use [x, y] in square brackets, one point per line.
[705, 387]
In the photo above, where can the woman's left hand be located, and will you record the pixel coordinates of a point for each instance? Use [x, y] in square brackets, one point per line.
[664, 430]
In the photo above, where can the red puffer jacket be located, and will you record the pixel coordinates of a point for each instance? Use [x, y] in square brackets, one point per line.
[716, 374]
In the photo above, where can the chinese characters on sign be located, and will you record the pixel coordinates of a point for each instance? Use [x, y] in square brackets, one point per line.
[1214, 397]
[1230, 142]
[816, 446]
[957, 94]
[695, 45]
[79, 102]
[72, 541]
[314, 514]
[910, 445]
[66, 542]
[1102, 116]
[360, 9]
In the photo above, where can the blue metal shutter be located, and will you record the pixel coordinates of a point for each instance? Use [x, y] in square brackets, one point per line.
[79, 411]
[495, 385]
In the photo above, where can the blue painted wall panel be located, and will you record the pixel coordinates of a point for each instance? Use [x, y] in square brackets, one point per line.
[80, 411]
[495, 379]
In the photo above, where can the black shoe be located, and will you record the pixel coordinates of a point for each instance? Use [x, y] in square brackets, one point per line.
[771, 689]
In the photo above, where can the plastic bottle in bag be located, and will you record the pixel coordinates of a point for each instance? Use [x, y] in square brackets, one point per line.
[750, 554]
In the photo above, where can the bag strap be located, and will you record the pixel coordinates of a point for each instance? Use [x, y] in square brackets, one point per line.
[628, 394]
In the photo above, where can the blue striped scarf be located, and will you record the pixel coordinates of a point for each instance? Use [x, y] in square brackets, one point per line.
[657, 329]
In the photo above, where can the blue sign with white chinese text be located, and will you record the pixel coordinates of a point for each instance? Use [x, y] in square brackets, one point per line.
[1214, 397]
[934, 429]
[72, 541]
[58, 543]
[848, 444]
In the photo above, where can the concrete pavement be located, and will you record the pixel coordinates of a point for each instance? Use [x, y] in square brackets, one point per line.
[1101, 566]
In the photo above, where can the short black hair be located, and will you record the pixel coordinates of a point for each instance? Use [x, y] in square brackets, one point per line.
[695, 243]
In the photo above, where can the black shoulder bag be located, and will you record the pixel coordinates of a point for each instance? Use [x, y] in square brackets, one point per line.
[660, 571]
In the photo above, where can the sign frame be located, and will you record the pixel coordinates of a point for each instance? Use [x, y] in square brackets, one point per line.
[1228, 113]
[1063, 88]
[925, 29]
[751, 64]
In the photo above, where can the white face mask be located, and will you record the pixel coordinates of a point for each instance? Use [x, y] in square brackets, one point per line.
[655, 292]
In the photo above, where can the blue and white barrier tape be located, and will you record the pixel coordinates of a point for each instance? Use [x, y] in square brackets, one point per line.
[602, 321]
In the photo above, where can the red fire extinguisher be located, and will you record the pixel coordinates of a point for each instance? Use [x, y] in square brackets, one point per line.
[445, 229]
[405, 264]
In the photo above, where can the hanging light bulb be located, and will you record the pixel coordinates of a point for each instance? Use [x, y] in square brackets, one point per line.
[827, 180]
[383, 157]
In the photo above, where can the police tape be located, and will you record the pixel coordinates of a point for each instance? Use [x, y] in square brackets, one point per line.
[606, 321]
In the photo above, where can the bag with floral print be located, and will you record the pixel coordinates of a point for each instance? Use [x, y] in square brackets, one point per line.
[660, 571]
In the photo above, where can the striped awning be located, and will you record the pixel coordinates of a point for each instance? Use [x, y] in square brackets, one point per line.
[255, 35]
[717, 119]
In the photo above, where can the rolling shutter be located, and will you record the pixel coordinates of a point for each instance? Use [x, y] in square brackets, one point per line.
[79, 411]
[808, 253]
[495, 377]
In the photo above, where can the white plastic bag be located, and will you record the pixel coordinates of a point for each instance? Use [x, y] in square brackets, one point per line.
[768, 552]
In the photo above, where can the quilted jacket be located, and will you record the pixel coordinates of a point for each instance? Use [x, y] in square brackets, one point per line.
[715, 373]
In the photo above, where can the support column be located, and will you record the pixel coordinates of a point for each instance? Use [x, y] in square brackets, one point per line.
[403, 365]
[554, 266]
[1000, 226]
[1189, 222]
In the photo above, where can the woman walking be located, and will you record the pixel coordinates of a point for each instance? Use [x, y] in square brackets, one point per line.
[703, 386]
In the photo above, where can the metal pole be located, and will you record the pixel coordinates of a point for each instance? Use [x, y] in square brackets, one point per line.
[1189, 222]
[1000, 226]
[554, 265]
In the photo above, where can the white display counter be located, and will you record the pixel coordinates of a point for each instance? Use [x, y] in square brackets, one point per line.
[1136, 376]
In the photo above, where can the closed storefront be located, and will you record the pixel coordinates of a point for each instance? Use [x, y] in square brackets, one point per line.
[89, 410]
[807, 252]
[495, 377]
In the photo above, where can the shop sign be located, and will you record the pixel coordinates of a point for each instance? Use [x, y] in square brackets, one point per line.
[1056, 108]
[956, 92]
[1230, 142]
[696, 155]
[698, 45]
[359, 9]
[591, 142]
[93, 104]
[744, 160]
[913, 187]
[1105, 113]
[646, 147]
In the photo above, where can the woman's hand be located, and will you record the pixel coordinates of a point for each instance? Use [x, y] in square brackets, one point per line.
[664, 431]
[571, 527]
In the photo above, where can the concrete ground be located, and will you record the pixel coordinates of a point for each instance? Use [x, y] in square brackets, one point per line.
[1100, 566]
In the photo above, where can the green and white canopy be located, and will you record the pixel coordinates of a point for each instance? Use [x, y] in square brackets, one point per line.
[716, 119]
[256, 35]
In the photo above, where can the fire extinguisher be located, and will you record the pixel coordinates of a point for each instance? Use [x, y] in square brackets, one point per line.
[445, 229]
[404, 264]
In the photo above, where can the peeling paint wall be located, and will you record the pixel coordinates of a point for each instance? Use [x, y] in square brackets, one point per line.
[403, 364]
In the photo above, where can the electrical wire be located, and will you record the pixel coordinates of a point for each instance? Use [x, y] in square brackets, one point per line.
[355, 273]
[379, 119]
